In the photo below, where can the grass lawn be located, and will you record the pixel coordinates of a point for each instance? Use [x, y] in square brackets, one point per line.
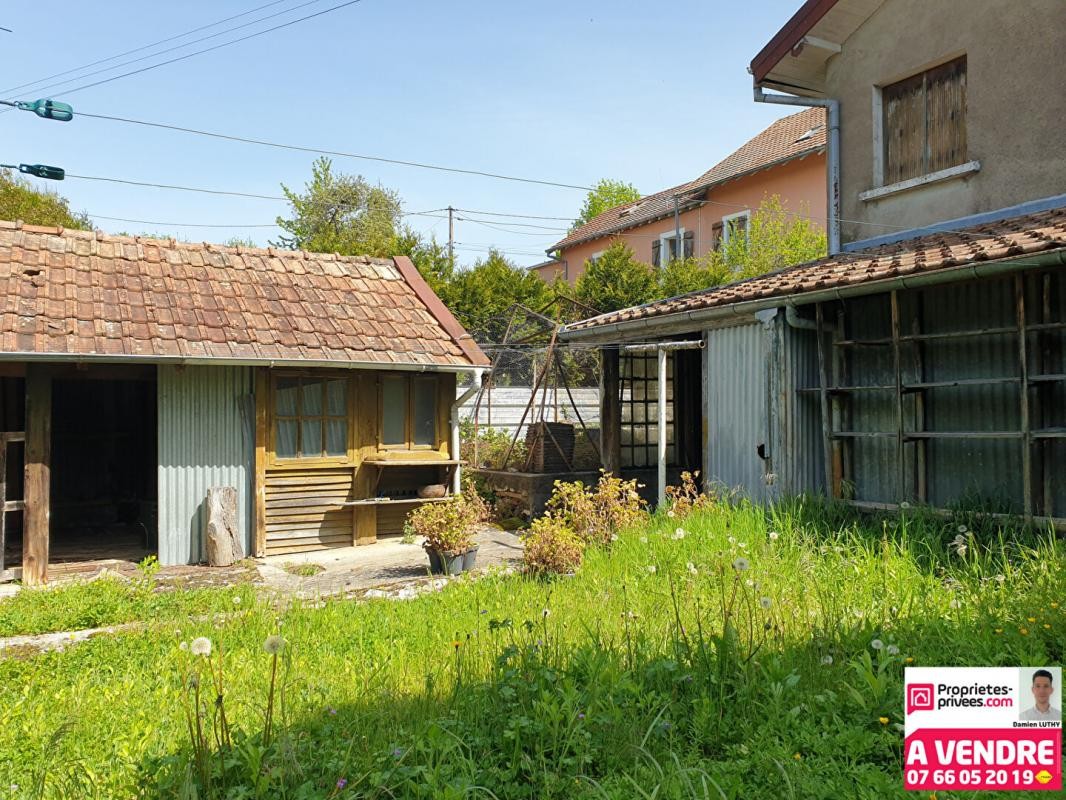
[734, 654]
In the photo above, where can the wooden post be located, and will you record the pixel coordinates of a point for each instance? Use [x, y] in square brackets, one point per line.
[35, 534]
[823, 396]
[1027, 434]
[897, 367]
[365, 518]
[262, 432]
[610, 411]
[921, 456]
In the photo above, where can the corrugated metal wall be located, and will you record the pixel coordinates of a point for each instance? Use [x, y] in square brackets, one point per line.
[799, 456]
[206, 439]
[735, 383]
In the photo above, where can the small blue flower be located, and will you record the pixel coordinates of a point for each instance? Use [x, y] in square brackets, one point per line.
[342, 783]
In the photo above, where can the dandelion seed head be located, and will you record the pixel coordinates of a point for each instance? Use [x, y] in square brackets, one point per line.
[651, 568]
[827, 660]
[236, 600]
[877, 644]
[643, 539]
[892, 650]
[766, 602]
[200, 646]
[679, 533]
[273, 644]
[774, 535]
[671, 514]
[741, 564]
[691, 568]
[963, 529]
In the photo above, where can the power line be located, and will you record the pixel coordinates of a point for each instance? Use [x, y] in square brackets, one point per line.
[339, 153]
[541, 233]
[211, 49]
[143, 47]
[223, 32]
[177, 187]
[183, 224]
[517, 216]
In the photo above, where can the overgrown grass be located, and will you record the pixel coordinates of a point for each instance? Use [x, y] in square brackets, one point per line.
[110, 601]
[731, 659]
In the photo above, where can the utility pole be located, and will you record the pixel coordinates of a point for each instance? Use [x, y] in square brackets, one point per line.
[451, 236]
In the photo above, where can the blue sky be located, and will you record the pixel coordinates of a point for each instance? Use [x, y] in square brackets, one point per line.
[563, 91]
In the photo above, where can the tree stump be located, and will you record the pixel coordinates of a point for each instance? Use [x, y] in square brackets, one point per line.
[222, 532]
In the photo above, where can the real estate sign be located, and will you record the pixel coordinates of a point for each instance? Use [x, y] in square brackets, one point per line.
[983, 728]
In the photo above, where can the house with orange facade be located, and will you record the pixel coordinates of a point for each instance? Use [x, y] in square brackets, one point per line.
[786, 159]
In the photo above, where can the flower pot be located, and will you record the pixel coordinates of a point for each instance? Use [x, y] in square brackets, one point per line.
[447, 564]
[469, 557]
[435, 566]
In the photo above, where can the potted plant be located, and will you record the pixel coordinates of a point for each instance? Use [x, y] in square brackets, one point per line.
[448, 528]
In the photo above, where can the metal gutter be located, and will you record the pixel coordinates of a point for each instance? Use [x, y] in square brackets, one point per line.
[104, 358]
[801, 23]
[697, 318]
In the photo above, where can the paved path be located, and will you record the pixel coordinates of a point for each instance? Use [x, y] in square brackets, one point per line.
[386, 563]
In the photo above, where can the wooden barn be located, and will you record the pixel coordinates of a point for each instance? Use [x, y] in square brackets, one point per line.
[136, 374]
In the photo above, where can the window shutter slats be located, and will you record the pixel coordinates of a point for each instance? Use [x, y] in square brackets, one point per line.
[690, 244]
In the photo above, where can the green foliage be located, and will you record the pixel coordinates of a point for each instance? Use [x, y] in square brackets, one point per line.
[597, 514]
[606, 194]
[430, 258]
[338, 213]
[489, 288]
[776, 239]
[19, 199]
[616, 280]
[627, 680]
[492, 446]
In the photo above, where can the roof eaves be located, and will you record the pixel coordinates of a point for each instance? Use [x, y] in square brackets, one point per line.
[789, 36]
[631, 223]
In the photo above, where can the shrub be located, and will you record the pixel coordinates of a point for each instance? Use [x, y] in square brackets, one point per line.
[551, 548]
[491, 446]
[449, 526]
[687, 497]
[597, 514]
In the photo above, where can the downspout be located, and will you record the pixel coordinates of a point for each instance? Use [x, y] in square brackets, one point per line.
[453, 451]
[794, 320]
[833, 157]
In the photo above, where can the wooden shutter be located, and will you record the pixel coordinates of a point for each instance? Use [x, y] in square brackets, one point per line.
[924, 122]
[690, 244]
[656, 252]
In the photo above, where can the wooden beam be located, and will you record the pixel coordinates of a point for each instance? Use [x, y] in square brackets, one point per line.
[35, 536]
[897, 367]
[611, 411]
[921, 456]
[262, 396]
[365, 518]
[823, 397]
[1023, 362]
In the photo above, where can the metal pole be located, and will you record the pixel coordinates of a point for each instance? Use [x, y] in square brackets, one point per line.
[451, 237]
[680, 249]
[662, 425]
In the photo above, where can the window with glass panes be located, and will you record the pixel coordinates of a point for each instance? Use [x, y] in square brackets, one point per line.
[408, 411]
[640, 410]
[310, 417]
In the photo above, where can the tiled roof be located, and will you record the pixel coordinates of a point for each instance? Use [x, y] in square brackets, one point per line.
[791, 137]
[81, 293]
[1006, 239]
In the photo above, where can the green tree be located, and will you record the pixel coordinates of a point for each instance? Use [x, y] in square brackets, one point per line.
[478, 296]
[607, 193]
[616, 280]
[19, 199]
[338, 213]
[430, 257]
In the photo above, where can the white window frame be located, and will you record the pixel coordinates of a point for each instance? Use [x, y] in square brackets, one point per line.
[596, 256]
[728, 218]
[664, 248]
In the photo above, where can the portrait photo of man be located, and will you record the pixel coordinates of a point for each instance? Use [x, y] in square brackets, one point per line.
[1043, 688]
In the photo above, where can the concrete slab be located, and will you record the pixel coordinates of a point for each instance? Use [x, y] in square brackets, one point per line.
[388, 562]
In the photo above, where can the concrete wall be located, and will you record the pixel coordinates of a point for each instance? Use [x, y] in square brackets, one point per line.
[1015, 105]
[800, 183]
[206, 439]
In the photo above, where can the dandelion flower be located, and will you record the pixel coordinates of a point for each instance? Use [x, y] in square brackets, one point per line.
[827, 660]
[883, 720]
[1030, 620]
[1053, 605]
[679, 533]
[1047, 626]
[773, 536]
[766, 602]
[741, 564]
[797, 756]
[691, 568]
[877, 644]
[1023, 631]
[999, 630]
[201, 646]
[273, 644]
[457, 644]
[651, 568]
[909, 660]
[892, 650]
